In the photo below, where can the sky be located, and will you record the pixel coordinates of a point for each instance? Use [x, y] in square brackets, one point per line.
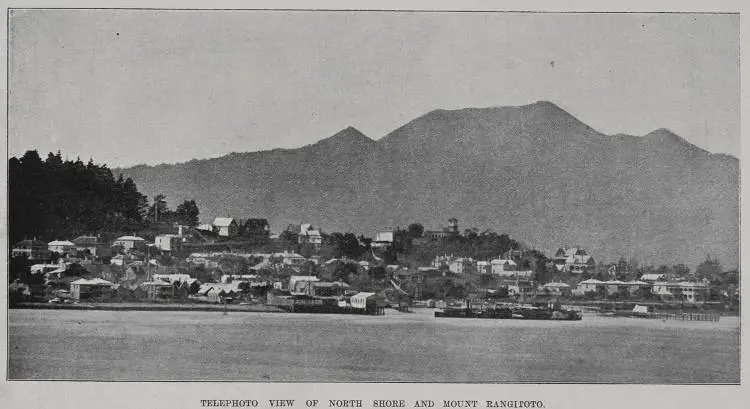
[127, 87]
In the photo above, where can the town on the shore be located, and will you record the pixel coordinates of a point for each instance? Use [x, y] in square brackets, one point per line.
[241, 261]
[106, 244]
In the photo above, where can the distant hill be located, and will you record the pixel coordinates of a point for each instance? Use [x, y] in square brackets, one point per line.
[534, 171]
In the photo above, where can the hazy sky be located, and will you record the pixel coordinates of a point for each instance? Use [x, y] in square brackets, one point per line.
[129, 87]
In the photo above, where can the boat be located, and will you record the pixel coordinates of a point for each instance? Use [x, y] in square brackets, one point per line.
[509, 311]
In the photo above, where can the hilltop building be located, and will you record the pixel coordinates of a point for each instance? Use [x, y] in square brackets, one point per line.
[33, 249]
[573, 260]
[444, 233]
[225, 227]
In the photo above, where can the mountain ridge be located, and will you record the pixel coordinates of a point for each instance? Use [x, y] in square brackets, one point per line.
[534, 171]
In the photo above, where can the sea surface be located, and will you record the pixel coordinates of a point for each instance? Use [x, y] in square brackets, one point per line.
[397, 347]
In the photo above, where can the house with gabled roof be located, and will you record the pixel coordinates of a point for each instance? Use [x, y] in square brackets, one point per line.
[225, 227]
[87, 244]
[33, 249]
[60, 246]
[130, 242]
[573, 260]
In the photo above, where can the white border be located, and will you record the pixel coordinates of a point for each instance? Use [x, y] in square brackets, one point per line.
[30, 394]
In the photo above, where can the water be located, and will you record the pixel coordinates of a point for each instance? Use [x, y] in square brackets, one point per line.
[146, 345]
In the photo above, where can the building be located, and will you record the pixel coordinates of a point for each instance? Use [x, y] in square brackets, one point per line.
[171, 278]
[45, 268]
[436, 235]
[369, 302]
[225, 227]
[573, 260]
[205, 228]
[517, 287]
[653, 277]
[87, 245]
[501, 266]
[590, 285]
[515, 255]
[293, 280]
[559, 289]
[444, 233]
[383, 239]
[320, 288]
[255, 229]
[96, 288]
[158, 289]
[32, 249]
[685, 291]
[290, 258]
[461, 266]
[61, 246]
[308, 235]
[484, 267]
[123, 259]
[616, 287]
[130, 242]
[169, 242]
[635, 286]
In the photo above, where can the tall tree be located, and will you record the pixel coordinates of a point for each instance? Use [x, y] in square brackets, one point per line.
[187, 213]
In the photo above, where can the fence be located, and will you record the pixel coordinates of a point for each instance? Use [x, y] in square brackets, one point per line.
[686, 316]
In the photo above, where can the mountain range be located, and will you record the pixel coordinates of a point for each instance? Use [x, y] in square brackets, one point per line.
[535, 172]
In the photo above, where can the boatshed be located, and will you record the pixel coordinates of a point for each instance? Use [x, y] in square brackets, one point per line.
[368, 303]
[90, 289]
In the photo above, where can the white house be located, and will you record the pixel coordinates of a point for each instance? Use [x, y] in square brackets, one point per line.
[590, 285]
[308, 235]
[461, 266]
[382, 239]
[168, 242]
[500, 266]
[556, 288]
[683, 290]
[129, 242]
[61, 246]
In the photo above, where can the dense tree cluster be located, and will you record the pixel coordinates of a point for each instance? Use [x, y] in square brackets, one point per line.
[186, 213]
[58, 198]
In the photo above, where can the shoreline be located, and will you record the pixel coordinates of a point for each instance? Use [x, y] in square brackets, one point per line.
[148, 307]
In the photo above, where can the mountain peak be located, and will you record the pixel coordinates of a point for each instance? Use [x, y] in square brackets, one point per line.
[666, 136]
[547, 109]
[350, 134]
[347, 138]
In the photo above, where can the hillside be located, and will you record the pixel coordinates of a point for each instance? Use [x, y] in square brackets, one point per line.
[535, 172]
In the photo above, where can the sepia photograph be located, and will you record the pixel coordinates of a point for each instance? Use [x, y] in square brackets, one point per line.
[350, 196]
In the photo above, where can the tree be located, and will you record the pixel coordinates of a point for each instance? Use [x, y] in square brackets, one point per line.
[158, 210]
[187, 213]
[55, 198]
[19, 269]
[415, 230]
[681, 270]
[378, 273]
[622, 265]
[709, 268]
[344, 271]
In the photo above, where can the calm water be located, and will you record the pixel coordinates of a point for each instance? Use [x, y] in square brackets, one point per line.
[137, 345]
